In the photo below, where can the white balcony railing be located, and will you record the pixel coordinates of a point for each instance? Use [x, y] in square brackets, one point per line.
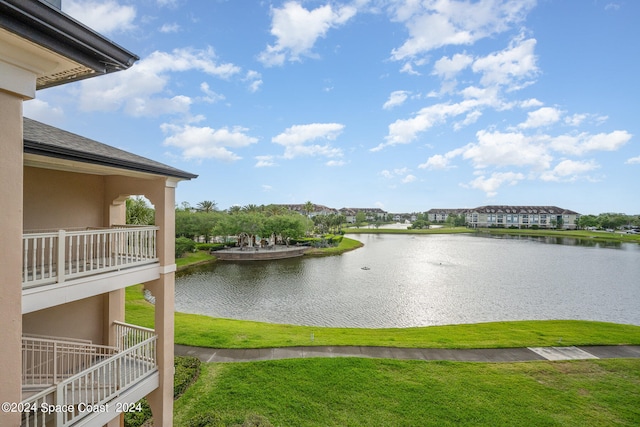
[54, 257]
[104, 380]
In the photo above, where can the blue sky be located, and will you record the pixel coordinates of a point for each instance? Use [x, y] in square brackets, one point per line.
[402, 105]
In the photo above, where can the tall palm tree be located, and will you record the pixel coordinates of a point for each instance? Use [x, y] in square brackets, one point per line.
[308, 207]
[234, 209]
[206, 206]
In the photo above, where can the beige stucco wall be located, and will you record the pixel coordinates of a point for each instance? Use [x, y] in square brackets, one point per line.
[79, 319]
[56, 199]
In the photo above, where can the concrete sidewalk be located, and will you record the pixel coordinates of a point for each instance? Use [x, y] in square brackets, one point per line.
[466, 355]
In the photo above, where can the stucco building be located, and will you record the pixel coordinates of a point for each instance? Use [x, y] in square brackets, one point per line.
[506, 216]
[66, 255]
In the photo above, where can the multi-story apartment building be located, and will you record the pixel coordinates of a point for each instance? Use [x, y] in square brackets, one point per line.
[68, 358]
[522, 217]
[511, 216]
[371, 214]
[441, 215]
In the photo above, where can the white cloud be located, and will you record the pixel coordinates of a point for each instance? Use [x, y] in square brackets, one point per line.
[404, 131]
[211, 96]
[471, 118]
[266, 188]
[439, 161]
[105, 17]
[335, 163]
[297, 30]
[396, 98]
[199, 143]
[295, 138]
[584, 142]
[544, 116]
[170, 28]
[569, 170]
[513, 68]
[491, 184]
[409, 178]
[254, 79]
[408, 68]
[507, 149]
[434, 24]
[40, 110]
[142, 90]
[530, 103]
[633, 161]
[447, 68]
[398, 172]
[264, 161]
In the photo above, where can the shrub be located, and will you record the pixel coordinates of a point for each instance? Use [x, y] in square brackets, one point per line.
[183, 245]
[138, 418]
[187, 370]
[209, 246]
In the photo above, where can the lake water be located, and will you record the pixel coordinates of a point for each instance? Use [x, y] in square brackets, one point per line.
[422, 280]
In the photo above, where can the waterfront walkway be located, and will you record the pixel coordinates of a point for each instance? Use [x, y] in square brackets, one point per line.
[463, 355]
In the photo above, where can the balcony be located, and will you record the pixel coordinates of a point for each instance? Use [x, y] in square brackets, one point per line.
[87, 384]
[66, 265]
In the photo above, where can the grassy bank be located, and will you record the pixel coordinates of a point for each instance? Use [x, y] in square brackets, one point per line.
[194, 258]
[439, 230]
[576, 234]
[359, 392]
[204, 331]
[345, 245]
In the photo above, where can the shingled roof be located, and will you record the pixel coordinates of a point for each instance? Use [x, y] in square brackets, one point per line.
[49, 141]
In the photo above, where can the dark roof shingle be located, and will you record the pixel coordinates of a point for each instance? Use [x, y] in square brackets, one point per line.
[49, 141]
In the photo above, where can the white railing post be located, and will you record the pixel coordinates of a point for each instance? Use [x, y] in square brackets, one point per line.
[61, 255]
[55, 363]
[59, 402]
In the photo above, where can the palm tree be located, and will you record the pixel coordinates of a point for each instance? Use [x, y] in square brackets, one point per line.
[308, 207]
[206, 206]
[234, 209]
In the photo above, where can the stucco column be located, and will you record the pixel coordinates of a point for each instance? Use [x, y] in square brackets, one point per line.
[163, 289]
[11, 188]
[114, 301]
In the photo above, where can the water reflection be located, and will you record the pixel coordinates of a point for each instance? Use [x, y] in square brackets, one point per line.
[425, 280]
[561, 240]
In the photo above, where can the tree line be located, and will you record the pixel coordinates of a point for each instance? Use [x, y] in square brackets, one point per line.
[267, 221]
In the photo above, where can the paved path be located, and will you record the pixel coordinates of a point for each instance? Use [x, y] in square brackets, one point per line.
[467, 355]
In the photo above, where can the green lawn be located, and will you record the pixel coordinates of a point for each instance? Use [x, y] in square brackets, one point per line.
[371, 392]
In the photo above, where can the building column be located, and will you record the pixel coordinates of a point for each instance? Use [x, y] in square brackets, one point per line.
[11, 189]
[163, 289]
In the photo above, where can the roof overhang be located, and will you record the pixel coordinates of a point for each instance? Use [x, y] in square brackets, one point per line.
[39, 38]
[71, 161]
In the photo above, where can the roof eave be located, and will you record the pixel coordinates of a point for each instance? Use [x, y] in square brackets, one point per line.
[52, 29]
[37, 148]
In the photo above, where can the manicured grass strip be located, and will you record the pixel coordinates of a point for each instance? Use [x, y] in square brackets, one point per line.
[359, 392]
[577, 234]
[345, 245]
[204, 331]
[194, 258]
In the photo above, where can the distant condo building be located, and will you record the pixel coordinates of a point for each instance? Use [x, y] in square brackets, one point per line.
[511, 216]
